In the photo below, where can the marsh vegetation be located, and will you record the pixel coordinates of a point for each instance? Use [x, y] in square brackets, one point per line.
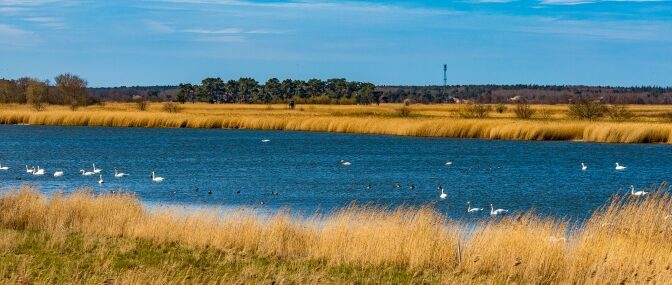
[62, 237]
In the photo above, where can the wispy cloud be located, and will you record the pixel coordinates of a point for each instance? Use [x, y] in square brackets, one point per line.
[611, 30]
[47, 22]
[12, 36]
[579, 2]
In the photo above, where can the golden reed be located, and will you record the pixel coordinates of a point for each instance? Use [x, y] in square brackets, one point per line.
[627, 241]
[426, 121]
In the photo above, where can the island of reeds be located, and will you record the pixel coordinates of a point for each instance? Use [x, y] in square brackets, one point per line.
[89, 238]
[519, 112]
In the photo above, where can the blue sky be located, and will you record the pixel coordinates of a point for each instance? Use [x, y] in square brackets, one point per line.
[156, 42]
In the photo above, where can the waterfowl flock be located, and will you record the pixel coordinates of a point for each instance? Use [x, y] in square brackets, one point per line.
[39, 171]
[442, 195]
[497, 212]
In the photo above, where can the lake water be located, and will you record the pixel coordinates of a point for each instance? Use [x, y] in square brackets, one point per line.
[304, 169]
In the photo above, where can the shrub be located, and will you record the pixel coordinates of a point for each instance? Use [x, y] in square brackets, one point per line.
[500, 108]
[586, 109]
[404, 111]
[74, 105]
[667, 116]
[171, 107]
[407, 102]
[474, 111]
[545, 114]
[142, 105]
[619, 112]
[38, 106]
[523, 110]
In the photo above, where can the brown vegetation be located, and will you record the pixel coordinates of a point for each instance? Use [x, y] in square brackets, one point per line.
[647, 125]
[628, 241]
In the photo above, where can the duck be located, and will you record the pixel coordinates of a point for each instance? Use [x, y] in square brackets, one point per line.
[156, 178]
[472, 210]
[494, 212]
[637, 193]
[620, 167]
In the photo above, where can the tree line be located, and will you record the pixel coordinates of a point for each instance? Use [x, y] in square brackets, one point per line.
[248, 90]
[67, 89]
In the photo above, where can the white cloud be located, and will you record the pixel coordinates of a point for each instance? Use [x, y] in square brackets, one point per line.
[579, 2]
[158, 27]
[47, 22]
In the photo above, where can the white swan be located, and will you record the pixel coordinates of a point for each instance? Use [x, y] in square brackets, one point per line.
[494, 212]
[156, 178]
[443, 195]
[345, 163]
[96, 170]
[101, 181]
[39, 171]
[449, 163]
[637, 193]
[58, 173]
[472, 210]
[119, 174]
[620, 167]
[265, 140]
[86, 173]
[30, 170]
[583, 167]
[4, 167]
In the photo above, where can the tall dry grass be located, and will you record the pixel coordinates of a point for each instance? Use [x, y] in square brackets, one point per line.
[628, 241]
[426, 121]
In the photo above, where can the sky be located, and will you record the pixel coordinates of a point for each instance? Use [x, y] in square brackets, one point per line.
[166, 42]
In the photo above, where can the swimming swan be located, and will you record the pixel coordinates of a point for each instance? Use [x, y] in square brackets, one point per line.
[58, 173]
[494, 212]
[39, 171]
[620, 167]
[156, 178]
[119, 174]
[443, 195]
[96, 170]
[583, 167]
[3, 167]
[30, 170]
[472, 210]
[101, 181]
[86, 173]
[345, 163]
[637, 193]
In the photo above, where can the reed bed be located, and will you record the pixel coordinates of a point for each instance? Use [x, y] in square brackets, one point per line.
[627, 241]
[424, 121]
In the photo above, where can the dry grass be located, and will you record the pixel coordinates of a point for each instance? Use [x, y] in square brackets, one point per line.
[648, 124]
[628, 241]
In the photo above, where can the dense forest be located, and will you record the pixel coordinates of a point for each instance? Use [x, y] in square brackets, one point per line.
[70, 89]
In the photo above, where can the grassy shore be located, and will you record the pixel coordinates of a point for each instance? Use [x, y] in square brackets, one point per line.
[650, 124]
[86, 238]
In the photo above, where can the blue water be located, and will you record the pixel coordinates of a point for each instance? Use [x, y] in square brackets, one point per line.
[303, 168]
